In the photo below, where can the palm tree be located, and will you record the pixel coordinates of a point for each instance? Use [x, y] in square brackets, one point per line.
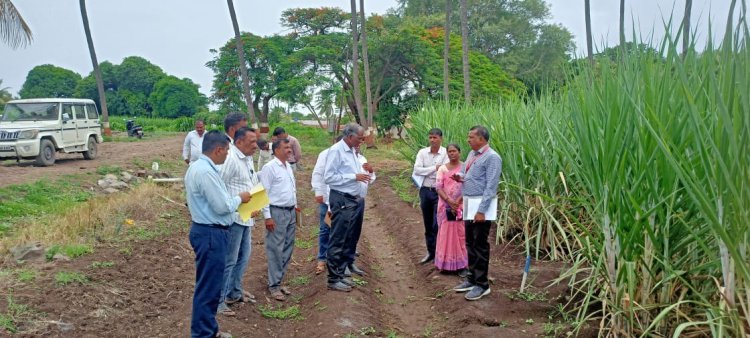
[622, 23]
[589, 46]
[446, 51]
[465, 47]
[5, 96]
[366, 61]
[686, 27]
[355, 67]
[243, 67]
[13, 28]
[97, 71]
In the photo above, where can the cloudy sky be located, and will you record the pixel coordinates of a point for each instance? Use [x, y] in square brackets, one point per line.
[177, 34]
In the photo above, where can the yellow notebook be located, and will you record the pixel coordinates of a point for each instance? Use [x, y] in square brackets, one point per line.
[259, 200]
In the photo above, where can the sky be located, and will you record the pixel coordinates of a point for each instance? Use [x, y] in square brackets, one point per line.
[177, 35]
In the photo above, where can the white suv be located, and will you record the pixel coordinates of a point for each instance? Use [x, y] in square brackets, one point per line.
[38, 128]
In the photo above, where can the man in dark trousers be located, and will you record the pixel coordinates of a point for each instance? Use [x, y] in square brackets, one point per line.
[212, 212]
[344, 175]
[428, 161]
[481, 176]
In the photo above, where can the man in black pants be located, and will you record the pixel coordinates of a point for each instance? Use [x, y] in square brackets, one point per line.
[428, 161]
[481, 175]
[344, 174]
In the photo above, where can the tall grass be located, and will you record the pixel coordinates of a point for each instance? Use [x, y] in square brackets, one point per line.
[637, 173]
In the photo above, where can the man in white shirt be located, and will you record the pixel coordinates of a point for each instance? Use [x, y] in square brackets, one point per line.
[238, 173]
[357, 230]
[428, 162]
[277, 178]
[193, 145]
[296, 157]
[322, 191]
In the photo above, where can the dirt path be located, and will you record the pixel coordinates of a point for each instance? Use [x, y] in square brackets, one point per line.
[148, 291]
[110, 154]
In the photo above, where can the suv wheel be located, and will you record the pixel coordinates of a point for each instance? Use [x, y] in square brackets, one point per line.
[46, 155]
[91, 153]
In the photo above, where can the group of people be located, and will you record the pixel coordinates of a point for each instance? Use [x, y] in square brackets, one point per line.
[220, 177]
[456, 200]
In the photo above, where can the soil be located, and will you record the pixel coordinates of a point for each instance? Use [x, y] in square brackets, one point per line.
[148, 290]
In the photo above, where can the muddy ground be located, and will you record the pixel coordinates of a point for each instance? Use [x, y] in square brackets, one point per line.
[147, 291]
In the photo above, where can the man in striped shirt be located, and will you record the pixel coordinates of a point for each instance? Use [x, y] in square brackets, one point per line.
[238, 173]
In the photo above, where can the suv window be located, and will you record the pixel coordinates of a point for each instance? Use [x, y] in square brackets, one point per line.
[91, 109]
[80, 113]
[67, 109]
[30, 112]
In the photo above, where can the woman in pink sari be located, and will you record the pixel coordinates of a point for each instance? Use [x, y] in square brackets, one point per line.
[450, 252]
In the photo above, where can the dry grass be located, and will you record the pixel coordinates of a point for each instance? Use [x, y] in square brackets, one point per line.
[100, 218]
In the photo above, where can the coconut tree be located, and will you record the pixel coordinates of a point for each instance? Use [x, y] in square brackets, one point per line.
[686, 27]
[446, 51]
[14, 31]
[243, 66]
[465, 47]
[589, 45]
[365, 61]
[97, 71]
[355, 67]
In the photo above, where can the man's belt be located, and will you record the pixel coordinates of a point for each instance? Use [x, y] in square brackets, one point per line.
[349, 196]
[282, 208]
[218, 226]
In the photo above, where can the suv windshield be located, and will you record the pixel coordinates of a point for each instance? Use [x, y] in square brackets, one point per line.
[30, 112]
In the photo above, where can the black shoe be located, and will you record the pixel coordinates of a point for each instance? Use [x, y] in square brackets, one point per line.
[339, 286]
[463, 273]
[464, 286]
[347, 272]
[355, 269]
[428, 258]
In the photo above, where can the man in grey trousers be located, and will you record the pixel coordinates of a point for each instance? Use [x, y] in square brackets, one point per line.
[277, 178]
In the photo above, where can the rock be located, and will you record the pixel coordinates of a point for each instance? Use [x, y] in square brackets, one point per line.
[110, 190]
[119, 185]
[126, 177]
[28, 252]
[110, 177]
[64, 327]
[60, 257]
[104, 184]
[140, 173]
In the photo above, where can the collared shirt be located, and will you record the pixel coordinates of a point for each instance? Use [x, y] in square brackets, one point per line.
[278, 180]
[427, 163]
[363, 186]
[483, 176]
[317, 181]
[296, 149]
[342, 168]
[238, 173]
[264, 156]
[192, 148]
[208, 200]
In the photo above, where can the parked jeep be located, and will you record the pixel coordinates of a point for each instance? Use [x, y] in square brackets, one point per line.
[38, 128]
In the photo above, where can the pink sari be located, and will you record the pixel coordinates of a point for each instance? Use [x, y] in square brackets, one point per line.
[450, 251]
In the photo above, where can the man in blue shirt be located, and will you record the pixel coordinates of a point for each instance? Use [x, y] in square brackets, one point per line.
[343, 174]
[212, 212]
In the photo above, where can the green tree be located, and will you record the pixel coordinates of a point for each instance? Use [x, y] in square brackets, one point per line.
[173, 97]
[49, 81]
[5, 95]
[136, 78]
[14, 31]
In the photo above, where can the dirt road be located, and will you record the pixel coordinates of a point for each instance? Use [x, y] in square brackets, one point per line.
[147, 291]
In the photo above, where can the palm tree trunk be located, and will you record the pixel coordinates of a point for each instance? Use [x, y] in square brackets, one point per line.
[243, 68]
[686, 27]
[97, 71]
[446, 52]
[622, 23]
[465, 47]
[355, 67]
[589, 44]
[370, 133]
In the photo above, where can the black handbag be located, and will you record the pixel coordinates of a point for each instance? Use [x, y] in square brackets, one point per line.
[450, 214]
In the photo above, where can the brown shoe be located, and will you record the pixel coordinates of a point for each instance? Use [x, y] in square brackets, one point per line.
[285, 290]
[278, 295]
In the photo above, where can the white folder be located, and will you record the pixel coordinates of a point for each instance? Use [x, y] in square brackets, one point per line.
[418, 180]
[471, 205]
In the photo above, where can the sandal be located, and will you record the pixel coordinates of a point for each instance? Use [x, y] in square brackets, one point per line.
[227, 312]
[320, 267]
[278, 295]
[248, 297]
[285, 290]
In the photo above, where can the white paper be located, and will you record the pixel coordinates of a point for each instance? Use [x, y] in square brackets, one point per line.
[471, 205]
[418, 180]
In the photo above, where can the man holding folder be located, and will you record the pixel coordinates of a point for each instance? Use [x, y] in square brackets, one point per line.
[481, 176]
[238, 173]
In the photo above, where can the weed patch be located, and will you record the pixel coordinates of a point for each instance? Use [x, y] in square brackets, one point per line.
[299, 281]
[291, 312]
[102, 265]
[69, 250]
[65, 278]
[106, 169]
[304, 244]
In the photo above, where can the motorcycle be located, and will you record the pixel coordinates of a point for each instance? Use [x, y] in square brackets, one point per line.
[133, 129]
